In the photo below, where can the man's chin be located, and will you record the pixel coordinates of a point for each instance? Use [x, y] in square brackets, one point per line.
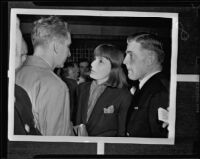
[131, 77]
[60, 66]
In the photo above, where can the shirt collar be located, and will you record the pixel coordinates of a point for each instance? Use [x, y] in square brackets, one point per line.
[106, 84]
[145, 79]
[37, 61]
[94, 82]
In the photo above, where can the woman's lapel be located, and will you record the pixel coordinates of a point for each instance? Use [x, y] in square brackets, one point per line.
[98, 108]
[85, 102]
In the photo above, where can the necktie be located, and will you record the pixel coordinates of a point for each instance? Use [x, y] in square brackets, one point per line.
[136, 94]
[134, 104]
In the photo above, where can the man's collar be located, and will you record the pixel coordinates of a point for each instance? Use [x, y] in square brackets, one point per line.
[45, 61]
[145, 79]
[37, 61]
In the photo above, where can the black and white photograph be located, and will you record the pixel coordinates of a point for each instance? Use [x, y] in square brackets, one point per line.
[99, 78]
[92, 76]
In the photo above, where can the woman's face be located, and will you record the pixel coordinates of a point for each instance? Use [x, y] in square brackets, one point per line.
[100, 69]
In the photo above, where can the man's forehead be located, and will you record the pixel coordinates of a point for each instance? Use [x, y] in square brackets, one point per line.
[133, 46]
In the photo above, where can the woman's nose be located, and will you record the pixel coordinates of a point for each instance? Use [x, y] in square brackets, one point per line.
[92, 64]
[69, 54]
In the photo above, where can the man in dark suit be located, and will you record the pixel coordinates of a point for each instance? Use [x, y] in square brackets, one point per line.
[144, 58]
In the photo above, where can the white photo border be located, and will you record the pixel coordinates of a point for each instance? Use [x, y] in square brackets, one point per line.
[129, 140]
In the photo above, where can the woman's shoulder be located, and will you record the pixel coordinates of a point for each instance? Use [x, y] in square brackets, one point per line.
[126, 91]
[124, 95]
[122, 91]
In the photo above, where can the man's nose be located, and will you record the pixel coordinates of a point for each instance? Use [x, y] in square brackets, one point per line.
[125, 60]
[69, 53]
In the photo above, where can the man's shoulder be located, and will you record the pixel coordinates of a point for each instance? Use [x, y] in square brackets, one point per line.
[33, 71]
[157, 83]
[37, 75]
[124, 91]
[70, 81]
[54, 81]
[84, 85]
[162, 82]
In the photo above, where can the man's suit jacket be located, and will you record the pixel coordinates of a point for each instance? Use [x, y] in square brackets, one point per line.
[102, 121]
[142, 118]
[23, 116]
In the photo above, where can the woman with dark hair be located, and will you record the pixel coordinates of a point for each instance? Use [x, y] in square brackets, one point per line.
[103, 103]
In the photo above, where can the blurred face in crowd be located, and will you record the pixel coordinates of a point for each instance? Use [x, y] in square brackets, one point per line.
[100, 69]
[21, 47]
[71, 72]
[84, 67]
[68, 72]
[76, 71]
[136, 61]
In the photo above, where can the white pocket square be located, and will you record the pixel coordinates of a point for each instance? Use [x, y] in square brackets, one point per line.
[109, 110]
[136, 108]
[163, 115]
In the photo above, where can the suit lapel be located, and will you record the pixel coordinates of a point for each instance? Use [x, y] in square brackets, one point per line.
[85, 102]
[98, 109]
[146, 89]
[140, 99]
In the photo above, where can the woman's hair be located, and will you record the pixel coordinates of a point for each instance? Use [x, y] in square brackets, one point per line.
[117, 77]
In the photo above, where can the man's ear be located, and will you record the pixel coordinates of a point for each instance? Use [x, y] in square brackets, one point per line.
[150, 58]
[56, 47]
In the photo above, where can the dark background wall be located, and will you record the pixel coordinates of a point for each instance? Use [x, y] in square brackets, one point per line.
[187, 101]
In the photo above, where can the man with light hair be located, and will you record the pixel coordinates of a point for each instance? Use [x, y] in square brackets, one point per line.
[48, 93]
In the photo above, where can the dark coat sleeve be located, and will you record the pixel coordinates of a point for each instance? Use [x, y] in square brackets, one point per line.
[23, 115]
[79, 103]
[122, 115]
[78, 111]
[160, 99]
